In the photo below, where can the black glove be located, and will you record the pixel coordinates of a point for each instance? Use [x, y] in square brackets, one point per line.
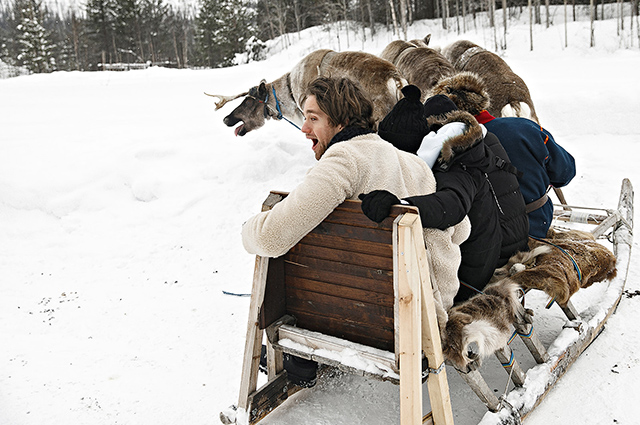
[377, 204]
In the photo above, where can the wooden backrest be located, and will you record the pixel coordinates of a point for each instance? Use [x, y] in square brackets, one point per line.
[338, 279]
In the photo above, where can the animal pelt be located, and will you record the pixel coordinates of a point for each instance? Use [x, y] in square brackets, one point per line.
[549, 268]
[508, 92]
[479, 326]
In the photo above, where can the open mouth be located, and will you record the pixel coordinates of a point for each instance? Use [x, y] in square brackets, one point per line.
[315, 143]
[240, 130]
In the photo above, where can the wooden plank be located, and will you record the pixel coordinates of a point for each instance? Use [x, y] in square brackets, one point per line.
[351, 214]
[270, 396]
[350, 243]
[479, 386]
[428, 419]
[354, 205]
[339, 233]
[330, 306]
[273, 306]
[437, 384]
[320, 341]
[253, 340]
[532, 342]
[410, 338]
[570, 311]
[341, 256]
[506, 357]
[341, 291]
[355, 276]
[362, 333]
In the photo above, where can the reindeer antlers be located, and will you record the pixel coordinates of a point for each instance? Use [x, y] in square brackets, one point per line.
[224, 99]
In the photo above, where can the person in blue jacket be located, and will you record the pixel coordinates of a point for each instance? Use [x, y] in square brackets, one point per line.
[542, 162]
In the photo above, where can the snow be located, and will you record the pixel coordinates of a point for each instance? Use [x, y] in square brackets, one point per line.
[122, 196]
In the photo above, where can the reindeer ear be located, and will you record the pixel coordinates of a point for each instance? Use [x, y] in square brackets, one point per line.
[427, 39]
[462, 318]
[262, 90]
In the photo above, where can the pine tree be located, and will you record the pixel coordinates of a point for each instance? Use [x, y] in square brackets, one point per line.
[127, 25]
[34, 45]
[155, 29]
[100, 28]
[223, 28]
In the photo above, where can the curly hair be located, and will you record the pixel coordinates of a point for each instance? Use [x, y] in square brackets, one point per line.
[343, 100]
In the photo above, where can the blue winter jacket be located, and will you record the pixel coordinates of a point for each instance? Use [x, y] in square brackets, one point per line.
[543, 163]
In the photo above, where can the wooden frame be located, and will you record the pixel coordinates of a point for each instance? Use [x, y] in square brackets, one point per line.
[369, 276]
[396, 277]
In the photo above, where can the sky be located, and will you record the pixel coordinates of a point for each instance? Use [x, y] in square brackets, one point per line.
[122, 196]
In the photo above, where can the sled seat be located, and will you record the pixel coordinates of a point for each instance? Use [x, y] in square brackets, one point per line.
[350, 284]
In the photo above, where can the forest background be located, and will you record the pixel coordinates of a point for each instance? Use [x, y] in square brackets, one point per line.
[39, 36]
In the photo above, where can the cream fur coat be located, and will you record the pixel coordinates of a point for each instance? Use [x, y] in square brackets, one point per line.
[347, 169]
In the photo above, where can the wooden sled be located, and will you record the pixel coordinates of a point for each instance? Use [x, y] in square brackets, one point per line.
[351, 284]
[354, 285]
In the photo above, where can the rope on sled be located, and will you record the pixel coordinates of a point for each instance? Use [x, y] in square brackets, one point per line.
[564, 251]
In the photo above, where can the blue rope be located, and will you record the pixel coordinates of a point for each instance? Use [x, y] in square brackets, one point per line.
[280, 116]
[564, 252]
[471, 287]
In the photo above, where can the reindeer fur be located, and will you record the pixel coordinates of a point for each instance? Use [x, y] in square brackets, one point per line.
[548, 269]
[379, 78]
[422, 66]
[508, 93]
[479, 326]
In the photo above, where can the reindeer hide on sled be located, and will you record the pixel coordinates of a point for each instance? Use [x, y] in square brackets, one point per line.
[549, 265]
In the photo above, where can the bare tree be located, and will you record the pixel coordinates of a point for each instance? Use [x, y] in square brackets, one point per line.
[531, 25]
[394, 18]
[403, 17]
[546, 7]
[566, 38]
[445, 14]
[504, 23]
[593, 12]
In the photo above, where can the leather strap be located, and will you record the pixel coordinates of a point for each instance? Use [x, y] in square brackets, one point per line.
[538, 203]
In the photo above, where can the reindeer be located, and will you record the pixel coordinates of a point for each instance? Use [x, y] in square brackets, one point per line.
[508, 93]
[281, 98]
[421, 65]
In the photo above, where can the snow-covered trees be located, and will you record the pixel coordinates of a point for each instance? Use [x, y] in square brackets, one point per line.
[223, 28]
[34, 46]
[213, 33]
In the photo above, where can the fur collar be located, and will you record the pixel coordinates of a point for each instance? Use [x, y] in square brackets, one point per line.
[458, 144]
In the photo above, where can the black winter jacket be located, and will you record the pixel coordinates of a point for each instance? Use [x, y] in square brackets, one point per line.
[463, 188]
[514, 222]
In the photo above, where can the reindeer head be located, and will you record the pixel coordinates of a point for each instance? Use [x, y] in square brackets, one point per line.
[456, 346]
[251, 113]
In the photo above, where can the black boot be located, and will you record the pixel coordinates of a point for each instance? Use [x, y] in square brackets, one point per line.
[300, 371]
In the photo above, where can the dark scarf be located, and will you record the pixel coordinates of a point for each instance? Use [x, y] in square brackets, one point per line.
[349, 133]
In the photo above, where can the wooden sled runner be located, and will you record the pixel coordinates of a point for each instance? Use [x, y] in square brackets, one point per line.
[358, 286]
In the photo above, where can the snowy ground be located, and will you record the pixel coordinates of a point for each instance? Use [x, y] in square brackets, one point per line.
[121, 201]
